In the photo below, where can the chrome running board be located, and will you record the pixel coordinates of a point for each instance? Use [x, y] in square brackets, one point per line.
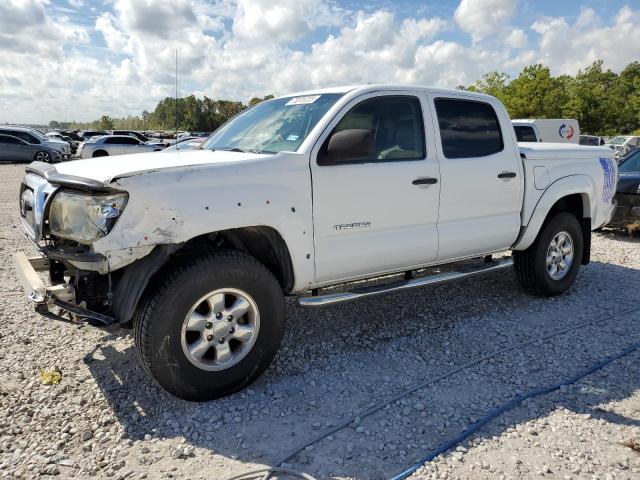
[401, 285]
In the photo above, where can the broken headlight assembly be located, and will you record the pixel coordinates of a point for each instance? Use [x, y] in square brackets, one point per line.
[84, 218]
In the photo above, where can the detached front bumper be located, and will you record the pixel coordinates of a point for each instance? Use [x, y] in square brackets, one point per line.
[45, 298]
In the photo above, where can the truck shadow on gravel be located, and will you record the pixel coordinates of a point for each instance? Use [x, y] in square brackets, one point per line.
[336, 363]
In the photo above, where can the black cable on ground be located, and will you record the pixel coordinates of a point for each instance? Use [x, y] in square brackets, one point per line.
[497, 411]
[501, 350]
[426, 383]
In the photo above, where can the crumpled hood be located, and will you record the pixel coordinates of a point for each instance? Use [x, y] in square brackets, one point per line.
[105, 169]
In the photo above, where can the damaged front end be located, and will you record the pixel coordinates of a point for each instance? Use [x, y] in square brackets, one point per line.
[62, 215]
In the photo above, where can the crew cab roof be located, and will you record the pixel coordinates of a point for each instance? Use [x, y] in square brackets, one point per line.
[362, 89]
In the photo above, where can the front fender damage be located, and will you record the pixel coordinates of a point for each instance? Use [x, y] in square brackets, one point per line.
[135, 279]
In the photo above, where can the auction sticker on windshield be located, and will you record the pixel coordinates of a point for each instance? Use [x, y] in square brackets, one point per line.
[303, 100]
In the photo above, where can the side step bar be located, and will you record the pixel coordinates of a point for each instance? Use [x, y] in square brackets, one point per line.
[401, 285]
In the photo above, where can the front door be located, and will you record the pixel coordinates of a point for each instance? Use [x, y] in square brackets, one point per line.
[378, 211]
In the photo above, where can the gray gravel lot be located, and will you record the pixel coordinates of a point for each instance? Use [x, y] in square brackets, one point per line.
[107, 419]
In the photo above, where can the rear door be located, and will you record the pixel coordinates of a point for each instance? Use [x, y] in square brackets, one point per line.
[482, 182]
[377, 213]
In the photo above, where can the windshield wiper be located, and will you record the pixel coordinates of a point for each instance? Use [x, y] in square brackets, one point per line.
[241, 150]
[234, 149]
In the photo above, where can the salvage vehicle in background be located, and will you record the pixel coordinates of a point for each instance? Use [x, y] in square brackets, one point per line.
[296, 194]
[627, 210]
[15, 149]
[622, 144]
[34, 137]
[591, 140]
[72, 143]
[138, 135]
[87, 134]
[115, 145]
[554, 130]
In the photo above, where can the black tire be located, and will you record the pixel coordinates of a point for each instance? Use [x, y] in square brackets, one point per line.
[42, 156]
[159, 319]
[100, 153]
[531, 264]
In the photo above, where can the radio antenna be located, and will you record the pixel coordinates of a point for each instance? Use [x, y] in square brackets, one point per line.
[176, 99]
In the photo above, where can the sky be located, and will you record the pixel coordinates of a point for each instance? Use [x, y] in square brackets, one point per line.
[80, 59]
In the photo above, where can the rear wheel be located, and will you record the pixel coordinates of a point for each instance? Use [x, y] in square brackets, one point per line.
[211, 327]
[100, 153]
[550, 266]
[42, 156]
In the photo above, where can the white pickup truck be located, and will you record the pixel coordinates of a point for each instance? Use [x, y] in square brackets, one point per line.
[196, 250]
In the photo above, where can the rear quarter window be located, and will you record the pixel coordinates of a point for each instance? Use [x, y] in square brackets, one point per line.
[468, 128]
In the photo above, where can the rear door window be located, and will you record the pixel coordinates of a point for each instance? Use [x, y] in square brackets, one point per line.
[468, 128]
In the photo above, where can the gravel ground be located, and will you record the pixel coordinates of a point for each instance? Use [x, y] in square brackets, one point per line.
[107, 419]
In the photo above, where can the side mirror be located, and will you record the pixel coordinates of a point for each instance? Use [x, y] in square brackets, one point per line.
[348, 145]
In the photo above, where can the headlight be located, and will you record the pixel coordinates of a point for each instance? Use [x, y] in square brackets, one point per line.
[84, 218]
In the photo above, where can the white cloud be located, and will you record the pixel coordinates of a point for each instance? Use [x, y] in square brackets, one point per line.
[516, 39]
[237, 49]
[483, 18]
[282, 21]
[566, 48]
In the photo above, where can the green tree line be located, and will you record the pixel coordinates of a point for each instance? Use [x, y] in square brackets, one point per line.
[189, 113]
[604, 102]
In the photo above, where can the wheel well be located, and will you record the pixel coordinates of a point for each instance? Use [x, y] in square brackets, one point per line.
[265, 244]
[100, 153]
[575, 203]
[578, 205]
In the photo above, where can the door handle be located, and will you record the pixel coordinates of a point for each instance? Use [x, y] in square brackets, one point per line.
[425, 181]
[507, 175]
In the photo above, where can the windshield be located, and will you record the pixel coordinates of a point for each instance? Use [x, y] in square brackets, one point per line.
[272, 126]
[631, 164]
[617, 140]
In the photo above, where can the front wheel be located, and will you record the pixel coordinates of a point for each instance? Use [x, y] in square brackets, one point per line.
[212, 326]
[551, 264]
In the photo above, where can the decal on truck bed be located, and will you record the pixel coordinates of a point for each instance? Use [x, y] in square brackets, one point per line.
[609, 188]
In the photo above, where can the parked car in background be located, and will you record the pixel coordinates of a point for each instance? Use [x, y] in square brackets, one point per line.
[553, 130]
[591, 140]
[622, 144]
[72, 134]
[185, 144]
[115, 145]
[628, 191]
[72, 143]
[34, 137]
[138, 135]
[87, 134]
[15, 149]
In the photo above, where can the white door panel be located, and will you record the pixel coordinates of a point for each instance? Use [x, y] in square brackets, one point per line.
[370, 217]
[479, 212]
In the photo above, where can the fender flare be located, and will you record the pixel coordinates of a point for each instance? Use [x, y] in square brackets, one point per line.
[563, 187]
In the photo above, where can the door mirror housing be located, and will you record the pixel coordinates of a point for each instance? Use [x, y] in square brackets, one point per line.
[348, 146]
